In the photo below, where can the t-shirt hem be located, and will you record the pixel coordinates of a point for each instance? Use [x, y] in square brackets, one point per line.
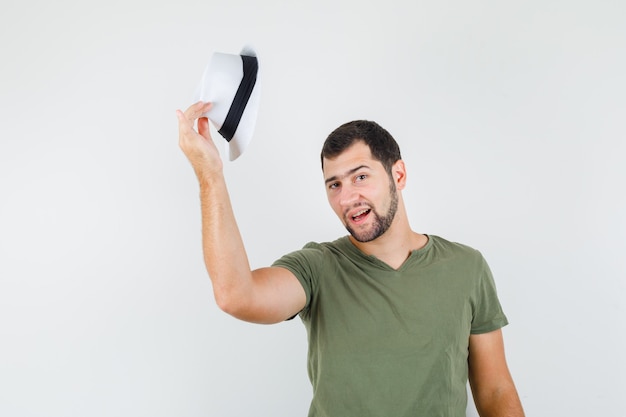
[491, 327]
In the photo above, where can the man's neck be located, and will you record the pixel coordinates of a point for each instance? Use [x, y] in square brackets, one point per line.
[394, 246]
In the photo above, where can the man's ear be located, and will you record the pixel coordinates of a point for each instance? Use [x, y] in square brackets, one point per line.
[398, 172]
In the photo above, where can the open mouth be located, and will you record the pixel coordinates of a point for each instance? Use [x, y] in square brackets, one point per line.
[357, 217]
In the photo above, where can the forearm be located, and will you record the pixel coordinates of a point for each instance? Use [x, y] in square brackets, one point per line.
[224, 253]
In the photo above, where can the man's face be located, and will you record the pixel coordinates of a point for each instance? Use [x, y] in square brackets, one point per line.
[360, 192]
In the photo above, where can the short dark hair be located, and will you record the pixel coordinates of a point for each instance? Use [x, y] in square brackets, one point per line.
[383, 146]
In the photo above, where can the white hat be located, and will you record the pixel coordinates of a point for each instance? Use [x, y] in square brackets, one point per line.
[231, 83]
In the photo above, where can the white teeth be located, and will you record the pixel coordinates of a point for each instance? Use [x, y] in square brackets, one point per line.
[360, 212]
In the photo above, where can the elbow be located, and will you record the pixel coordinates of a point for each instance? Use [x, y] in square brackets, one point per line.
[226, 302]
[502, 401]
[228, 291]
[243, 308]
[233, 303]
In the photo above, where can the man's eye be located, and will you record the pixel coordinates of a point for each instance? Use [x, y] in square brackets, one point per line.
[333, 186]
[361, 177]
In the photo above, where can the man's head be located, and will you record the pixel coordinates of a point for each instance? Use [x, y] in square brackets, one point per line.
[363, 170]
[382, 145]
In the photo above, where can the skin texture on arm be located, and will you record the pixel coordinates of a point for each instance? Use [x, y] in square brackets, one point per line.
[266, 295]
[492, 386]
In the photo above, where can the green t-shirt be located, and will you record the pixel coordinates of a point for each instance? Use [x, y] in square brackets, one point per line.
[392, 343]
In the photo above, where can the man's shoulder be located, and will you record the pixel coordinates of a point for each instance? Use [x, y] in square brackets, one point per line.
[339, 244]
[449, 246]
[320, 250]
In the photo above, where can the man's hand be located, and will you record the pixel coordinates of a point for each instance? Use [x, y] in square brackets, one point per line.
[198, 145]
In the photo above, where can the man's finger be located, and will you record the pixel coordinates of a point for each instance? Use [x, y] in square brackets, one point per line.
[184, 124]
[196, 110]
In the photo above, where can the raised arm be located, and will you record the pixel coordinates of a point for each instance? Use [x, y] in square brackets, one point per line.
[492, 386]
[266, 295]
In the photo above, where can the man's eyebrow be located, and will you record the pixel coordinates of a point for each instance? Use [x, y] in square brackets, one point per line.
[348, 173]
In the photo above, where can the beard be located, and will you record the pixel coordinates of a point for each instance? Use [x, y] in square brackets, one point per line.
[380, 223]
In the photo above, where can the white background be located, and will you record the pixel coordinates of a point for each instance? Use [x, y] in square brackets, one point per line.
[511, 118]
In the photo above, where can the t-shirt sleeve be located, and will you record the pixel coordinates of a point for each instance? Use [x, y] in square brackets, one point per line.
[305, 264]
[487, 311]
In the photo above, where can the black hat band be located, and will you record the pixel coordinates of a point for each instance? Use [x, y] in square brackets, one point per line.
[250, 70]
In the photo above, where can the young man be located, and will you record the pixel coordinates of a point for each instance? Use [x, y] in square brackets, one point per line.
[397, 321]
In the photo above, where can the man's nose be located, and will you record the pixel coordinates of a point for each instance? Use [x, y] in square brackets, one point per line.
[349, 196]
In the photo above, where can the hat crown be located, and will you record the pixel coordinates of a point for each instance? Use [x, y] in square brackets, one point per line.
[231, 83]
